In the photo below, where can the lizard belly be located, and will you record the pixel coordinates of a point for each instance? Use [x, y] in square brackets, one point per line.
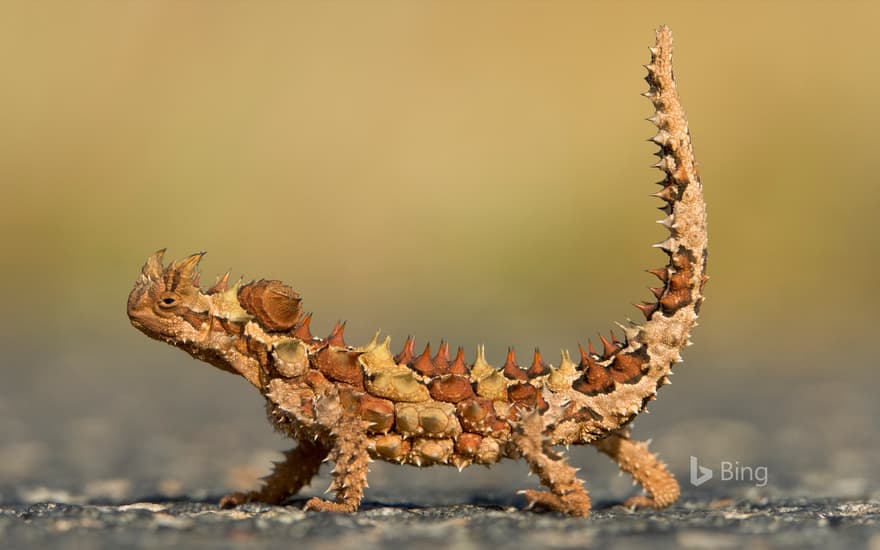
[461, 451]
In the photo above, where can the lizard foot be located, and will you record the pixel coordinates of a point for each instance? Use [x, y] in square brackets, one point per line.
[641, 501]
[646, 469]
[577, 505]
[320, 505]
[235, 499]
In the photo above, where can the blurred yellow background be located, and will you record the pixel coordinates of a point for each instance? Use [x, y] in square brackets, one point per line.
[470, 170]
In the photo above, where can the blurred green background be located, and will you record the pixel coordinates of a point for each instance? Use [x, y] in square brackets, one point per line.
[475, 171]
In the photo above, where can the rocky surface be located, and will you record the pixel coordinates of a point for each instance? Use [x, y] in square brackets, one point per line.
[797, 523]
[97, 456]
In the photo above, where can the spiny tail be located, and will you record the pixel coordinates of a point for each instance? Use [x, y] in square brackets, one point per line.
[635, 369]
[672, 316]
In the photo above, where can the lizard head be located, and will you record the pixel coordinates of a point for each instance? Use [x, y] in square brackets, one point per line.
[166, 303]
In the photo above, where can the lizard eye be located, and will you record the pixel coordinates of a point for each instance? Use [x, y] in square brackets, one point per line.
[167, 302]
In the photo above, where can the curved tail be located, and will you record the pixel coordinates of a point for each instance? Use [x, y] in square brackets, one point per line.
[672, 316]
[614, 386]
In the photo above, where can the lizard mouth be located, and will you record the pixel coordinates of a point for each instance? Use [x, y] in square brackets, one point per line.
[143, 327]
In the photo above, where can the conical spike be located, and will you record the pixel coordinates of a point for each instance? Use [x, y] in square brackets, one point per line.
[336, 337]
[374, 342]
[668, 222]
[538, 366]
[658, 119]
[609, 348]
[458, 366]
[565, 362]
[481, 356]
[221, 285]
[188, 266]
[647, 308]
[661, 138]
[590, 348]
[583, 353]
[657, 291]
[230, 295]
[153, 268]
[666, 245]
[668, 193]
[661, 273]
[423, 363]
[666, 163]
[511, 358]
[511, 368]
[481, 368]
[441, 360]
[629, 333]
[386, 343]
[182, 271]
[406, 355]
[302, 330]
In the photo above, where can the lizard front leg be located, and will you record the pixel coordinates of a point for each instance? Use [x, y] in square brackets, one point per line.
[634, 458]
[297, 469]
[567, 493]
[349, 452]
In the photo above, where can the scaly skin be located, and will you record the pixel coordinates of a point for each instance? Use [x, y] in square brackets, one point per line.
[355, 404]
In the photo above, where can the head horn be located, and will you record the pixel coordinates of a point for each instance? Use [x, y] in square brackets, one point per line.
[153, 268]
[183, 271]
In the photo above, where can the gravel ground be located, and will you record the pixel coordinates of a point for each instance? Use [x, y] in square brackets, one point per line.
[797, 523]
[94, 456]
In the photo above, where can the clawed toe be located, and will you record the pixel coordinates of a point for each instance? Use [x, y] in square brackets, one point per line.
[547, 500]
[542, 499]
[320, 505]
[233, 500]
[640, 501]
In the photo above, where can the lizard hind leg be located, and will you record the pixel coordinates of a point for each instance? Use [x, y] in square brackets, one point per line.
[349, 453]
[634, 458]
[567, 493]
[297, 469]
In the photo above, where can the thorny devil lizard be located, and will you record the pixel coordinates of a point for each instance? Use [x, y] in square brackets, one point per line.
[350, 405]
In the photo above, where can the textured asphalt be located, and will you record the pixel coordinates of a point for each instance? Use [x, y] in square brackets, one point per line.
[799, 523]
[97, 456]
